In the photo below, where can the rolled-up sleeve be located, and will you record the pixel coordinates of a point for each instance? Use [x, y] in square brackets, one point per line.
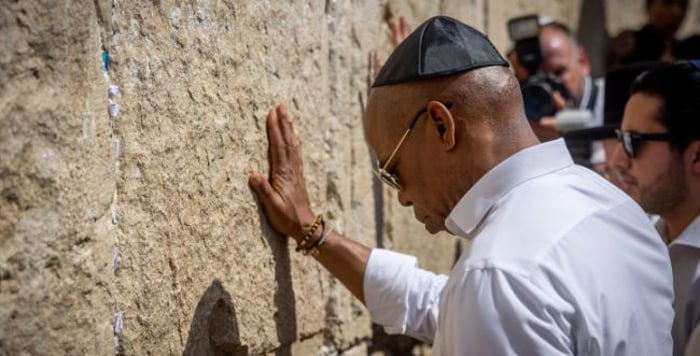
[402, 297]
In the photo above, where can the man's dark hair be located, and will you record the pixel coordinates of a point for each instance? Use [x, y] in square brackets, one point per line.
[678, 86]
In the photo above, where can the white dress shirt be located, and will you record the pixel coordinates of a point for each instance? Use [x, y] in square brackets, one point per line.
[685, 259]
[560, 263]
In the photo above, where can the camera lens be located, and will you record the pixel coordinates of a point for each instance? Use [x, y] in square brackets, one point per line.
[538, 100]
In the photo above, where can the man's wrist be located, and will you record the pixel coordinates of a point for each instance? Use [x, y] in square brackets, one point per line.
[310, 233]
[304, 224]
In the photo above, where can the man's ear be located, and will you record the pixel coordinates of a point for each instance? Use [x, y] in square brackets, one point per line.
[692, 156]
[583, 60]
[443, 122]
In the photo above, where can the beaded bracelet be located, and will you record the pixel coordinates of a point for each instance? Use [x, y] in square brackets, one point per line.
[318, 220]
[310, 248]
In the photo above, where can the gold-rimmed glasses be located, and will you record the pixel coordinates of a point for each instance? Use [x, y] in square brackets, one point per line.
[389, 178]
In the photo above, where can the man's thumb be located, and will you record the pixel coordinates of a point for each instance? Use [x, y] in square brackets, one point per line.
[260, 185]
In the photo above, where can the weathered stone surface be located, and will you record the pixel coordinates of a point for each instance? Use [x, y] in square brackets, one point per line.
[625, 14]
[56, 182]
[163, 184]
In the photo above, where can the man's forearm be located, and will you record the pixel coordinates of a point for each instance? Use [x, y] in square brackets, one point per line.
[346, 260]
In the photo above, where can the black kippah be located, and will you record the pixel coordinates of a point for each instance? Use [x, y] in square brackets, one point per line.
[440, 46]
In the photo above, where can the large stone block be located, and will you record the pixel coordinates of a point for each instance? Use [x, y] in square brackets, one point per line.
[135, 232]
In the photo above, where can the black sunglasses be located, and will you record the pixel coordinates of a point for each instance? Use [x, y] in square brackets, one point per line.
[631, 139]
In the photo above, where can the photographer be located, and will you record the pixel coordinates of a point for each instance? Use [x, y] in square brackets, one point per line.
[560, 94]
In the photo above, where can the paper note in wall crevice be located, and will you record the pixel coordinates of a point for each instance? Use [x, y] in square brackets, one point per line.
[113, 91]
[113, 108]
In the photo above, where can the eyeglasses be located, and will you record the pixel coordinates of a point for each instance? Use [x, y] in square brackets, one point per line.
[630, 140]
[381, 171]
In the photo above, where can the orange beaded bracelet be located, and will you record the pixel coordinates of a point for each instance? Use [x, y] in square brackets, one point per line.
[318, 220]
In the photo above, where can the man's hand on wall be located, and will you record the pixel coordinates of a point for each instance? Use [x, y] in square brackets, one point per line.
[284, 194]
[400, 29]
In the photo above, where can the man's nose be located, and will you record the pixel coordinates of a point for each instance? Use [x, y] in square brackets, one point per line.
[619, 158]
[403, 199]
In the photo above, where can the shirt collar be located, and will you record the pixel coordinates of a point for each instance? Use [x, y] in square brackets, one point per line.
[526, 164]
[690, 236]
[587, 91]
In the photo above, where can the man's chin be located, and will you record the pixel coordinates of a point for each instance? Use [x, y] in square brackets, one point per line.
[433, 228]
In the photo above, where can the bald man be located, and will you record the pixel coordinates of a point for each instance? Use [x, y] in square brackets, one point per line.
[552, 268]
[565, 59]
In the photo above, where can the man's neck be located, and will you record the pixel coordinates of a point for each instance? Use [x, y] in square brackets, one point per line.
[676, 221]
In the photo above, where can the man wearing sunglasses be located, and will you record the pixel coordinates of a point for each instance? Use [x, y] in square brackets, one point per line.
[617, 91]
[553, 267]
[657, 162]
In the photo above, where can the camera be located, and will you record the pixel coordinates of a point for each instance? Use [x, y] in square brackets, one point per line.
[537, 95]
[537, 90]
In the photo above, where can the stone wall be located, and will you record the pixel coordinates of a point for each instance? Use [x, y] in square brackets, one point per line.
[133, 230]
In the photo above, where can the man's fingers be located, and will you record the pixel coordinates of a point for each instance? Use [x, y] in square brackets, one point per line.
[394, 28]
[405, 27]
[400, 29]
[559, 101]
[277, 147]
[549, 122]
[290, 139]
[261, 187]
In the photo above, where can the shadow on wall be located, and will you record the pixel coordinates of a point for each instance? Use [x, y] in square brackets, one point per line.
[286, 315]
[392, 345]
[214, 328]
